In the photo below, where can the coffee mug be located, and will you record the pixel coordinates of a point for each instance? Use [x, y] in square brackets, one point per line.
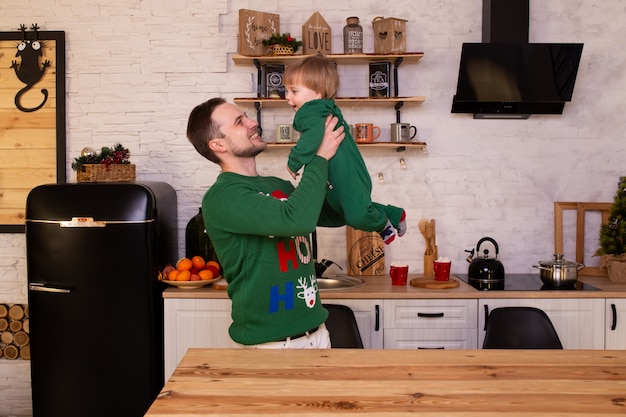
[284, 133]
[399, 274]
[441, 266]
[366, 132]
[402, 132]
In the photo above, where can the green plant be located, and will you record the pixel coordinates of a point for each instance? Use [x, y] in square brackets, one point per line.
[285, 39]
[613, 234]
[107, 156]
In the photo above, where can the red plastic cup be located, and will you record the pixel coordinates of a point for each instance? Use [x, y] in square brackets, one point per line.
[442, 270]
[399, 274]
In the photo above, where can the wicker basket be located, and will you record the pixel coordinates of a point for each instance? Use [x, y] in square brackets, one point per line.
[616, 267]
[278, 49]
[103, 173]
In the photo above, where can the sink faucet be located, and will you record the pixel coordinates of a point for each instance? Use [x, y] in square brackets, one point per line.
[320, 267]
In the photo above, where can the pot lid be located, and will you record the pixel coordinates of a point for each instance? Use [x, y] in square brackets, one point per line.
[559, 262]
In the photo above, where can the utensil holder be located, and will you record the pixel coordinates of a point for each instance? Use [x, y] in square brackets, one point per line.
[429, 262]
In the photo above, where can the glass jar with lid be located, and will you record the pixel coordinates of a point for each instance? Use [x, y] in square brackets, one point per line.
[352, 36]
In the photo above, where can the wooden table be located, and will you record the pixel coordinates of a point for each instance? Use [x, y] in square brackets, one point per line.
[468, 383]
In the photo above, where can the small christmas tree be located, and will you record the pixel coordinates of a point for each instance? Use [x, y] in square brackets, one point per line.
[613, 236]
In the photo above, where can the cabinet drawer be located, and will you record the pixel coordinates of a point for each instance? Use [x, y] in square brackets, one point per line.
[430, 338]
[428, 314]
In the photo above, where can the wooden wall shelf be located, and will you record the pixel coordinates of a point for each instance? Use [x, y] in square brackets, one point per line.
[353, 101]
[409, 57]
[399, 147]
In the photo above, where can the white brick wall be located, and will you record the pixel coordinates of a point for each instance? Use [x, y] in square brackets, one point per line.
[136, 68]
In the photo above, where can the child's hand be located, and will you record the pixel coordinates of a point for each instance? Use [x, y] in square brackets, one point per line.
[294, 175]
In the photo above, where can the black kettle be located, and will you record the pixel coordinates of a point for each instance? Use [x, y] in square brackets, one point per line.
[485, 272]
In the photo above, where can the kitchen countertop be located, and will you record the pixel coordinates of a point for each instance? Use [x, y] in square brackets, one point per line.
[379, 287]
[371, 382]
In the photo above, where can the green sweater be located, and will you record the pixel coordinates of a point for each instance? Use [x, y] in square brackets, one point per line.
[350, 188]
[260, 227]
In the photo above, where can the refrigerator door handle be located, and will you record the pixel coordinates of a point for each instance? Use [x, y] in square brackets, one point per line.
[40, 286]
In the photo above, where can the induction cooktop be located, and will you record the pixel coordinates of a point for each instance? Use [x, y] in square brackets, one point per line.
[525, 282]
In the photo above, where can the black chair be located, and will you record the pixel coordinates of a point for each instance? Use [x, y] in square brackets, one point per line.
[342, 326]
[520, 328]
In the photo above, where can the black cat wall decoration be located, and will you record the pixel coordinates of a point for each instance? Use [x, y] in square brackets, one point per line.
[29, 70]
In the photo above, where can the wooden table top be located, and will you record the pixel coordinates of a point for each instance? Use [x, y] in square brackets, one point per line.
[434, 383]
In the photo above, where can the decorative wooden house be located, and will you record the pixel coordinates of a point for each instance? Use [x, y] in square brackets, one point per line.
[316, 35]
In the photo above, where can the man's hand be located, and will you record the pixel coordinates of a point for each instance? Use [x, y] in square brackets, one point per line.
[294, 175]
[332, 138]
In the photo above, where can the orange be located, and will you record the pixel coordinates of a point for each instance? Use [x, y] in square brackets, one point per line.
[198, 262]
[184, 264]
[214, 263]
[205, 274]
[172, 275]
[183, 275]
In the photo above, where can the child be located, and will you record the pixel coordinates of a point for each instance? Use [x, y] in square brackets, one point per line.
[310, 86]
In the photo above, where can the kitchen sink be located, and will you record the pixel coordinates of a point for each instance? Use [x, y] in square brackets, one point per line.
[338, 282]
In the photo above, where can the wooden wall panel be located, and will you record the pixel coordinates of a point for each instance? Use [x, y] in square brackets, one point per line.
[32, 143]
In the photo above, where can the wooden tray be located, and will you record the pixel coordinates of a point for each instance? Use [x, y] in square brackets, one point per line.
[432, 284]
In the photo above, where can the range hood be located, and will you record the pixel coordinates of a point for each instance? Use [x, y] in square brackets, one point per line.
[507, 77]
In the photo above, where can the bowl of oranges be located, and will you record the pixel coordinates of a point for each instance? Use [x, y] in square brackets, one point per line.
[191, 273]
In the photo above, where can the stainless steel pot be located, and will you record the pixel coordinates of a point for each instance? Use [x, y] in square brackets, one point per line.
[559, 273]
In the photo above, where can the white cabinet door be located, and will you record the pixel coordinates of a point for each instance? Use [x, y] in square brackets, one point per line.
[194, 323]
[430, 324]
[615, 323]
[369, 318]
[579, 322]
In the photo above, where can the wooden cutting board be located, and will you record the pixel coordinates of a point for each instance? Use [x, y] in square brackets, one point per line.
[220, 284]
[432, 284]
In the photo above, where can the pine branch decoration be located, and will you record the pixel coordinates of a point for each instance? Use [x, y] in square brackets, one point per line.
[118, 154]
[613, 234]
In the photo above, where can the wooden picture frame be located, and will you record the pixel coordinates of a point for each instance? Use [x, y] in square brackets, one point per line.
[32, 138]
[581, 209]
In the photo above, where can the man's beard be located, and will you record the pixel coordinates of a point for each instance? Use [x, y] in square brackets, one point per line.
[248, 152]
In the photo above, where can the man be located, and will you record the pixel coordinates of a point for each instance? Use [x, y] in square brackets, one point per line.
[261, 229]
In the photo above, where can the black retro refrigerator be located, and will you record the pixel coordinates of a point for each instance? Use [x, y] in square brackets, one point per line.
[93, 252]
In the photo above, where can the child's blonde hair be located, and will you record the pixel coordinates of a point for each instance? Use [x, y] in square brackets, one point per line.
[316, 73]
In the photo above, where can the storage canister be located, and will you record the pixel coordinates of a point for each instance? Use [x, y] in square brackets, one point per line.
[352, 36]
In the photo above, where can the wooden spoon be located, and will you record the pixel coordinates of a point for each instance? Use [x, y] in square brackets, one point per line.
[422, 226]
[433, 238]
[429, 238]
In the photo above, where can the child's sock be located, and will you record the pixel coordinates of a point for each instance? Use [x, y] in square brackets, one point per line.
[402, 225]
[388, 234]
